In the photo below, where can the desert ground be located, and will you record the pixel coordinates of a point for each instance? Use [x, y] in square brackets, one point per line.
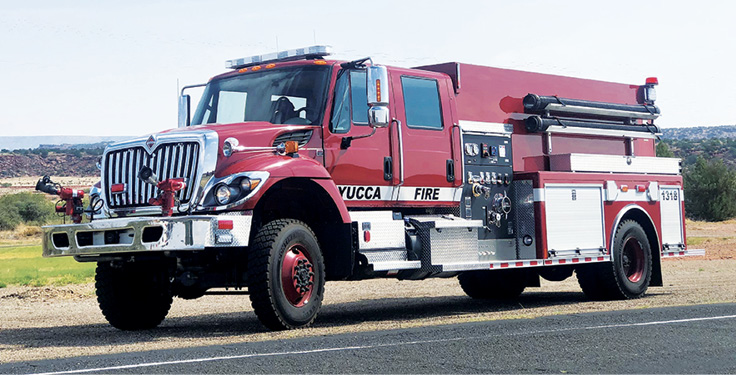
[64, 321]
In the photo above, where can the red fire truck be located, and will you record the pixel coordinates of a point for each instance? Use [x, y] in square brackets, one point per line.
[295, 169]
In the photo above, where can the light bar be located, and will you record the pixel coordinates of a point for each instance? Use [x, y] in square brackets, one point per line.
[290, 55]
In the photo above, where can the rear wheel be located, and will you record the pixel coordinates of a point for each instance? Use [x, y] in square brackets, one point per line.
[630, 271]
[133, 296]
[501, 284]
[286, 275]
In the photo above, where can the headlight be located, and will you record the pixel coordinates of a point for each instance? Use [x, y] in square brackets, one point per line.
[234, 189]
[222, 194]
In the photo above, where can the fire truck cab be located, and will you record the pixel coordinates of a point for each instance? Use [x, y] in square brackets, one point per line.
[294, 170]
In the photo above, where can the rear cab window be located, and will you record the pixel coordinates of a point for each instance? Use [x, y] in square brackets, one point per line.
[421, 103]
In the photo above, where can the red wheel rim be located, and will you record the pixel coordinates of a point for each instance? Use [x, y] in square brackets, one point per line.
[633, 260]
[297, 275]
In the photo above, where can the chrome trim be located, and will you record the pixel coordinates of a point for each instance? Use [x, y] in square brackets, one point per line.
[617, 221]
[179, 233]
[263, 176]
[401, 156]
[208, 141]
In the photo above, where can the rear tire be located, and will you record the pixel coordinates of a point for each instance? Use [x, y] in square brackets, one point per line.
[630, 271]
[501, 284]
[286, 275]
[133, 296]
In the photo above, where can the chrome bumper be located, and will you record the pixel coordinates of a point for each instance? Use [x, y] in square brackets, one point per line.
[145, 234]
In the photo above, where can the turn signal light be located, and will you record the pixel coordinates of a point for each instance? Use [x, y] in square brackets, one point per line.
[291, 147]
[624, 188]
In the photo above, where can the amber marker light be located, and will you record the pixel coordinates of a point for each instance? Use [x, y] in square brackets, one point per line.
[378, 90]
[291, 147]
[270, 66]
[320, 62]
[242, 70]
[257, 67]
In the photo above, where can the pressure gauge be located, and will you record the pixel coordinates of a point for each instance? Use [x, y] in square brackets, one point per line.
[472, 149]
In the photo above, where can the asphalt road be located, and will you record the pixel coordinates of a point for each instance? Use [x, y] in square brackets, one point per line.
[689, 339]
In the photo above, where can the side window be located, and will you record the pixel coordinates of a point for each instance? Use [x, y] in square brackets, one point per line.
[359, 97]
[422, 103]
[340, 119]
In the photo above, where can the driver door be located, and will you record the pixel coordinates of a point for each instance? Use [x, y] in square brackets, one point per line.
[362, 168]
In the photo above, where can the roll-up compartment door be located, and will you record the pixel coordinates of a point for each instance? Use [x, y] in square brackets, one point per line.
[574, 218]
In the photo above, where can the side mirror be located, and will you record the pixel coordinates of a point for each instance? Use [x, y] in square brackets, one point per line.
[184, 103]
[377, 85]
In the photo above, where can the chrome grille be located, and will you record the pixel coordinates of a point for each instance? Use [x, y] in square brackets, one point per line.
[169, 160]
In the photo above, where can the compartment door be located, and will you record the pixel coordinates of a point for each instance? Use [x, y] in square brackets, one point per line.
[670, 204]
[574, 219]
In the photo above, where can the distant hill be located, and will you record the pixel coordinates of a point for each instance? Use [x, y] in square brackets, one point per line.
[15, 165]
[700, 132]
[55, 141]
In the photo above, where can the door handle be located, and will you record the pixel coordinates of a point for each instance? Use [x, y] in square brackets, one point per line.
[450, 167]
[388, 168]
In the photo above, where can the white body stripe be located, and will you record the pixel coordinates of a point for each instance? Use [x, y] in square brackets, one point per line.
[614, 163]
[401, 193]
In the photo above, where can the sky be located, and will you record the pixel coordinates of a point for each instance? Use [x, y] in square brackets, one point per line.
[114, 67]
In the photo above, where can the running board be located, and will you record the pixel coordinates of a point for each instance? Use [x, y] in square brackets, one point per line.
[522, 263]
[683, 253]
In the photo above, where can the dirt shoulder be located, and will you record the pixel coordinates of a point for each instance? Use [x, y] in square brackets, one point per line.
[56, 322]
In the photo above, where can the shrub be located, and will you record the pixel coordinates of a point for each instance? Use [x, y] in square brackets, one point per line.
[9, 219]
[663, 151]
[710, 188]
[26, 208]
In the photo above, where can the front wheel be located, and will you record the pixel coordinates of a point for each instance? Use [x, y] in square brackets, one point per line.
[133, 296]
[286, 275]
[630, 271]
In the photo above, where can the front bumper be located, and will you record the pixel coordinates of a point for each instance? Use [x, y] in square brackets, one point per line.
[146, 234]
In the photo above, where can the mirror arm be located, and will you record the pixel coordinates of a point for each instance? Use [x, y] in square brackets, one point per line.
[348, 141]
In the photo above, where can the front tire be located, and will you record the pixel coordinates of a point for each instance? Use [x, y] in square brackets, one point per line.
[286, 275]
[133, 296]
[628, 275]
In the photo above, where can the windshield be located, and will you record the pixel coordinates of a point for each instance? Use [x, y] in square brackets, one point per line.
[280, 96]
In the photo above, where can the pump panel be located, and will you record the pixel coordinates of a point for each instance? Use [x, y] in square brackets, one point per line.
[488, 193]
